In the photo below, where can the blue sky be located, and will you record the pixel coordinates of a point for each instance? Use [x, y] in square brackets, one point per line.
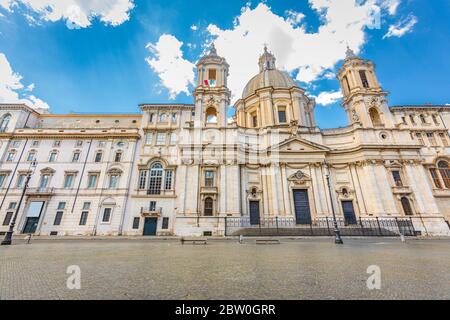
[118, 53]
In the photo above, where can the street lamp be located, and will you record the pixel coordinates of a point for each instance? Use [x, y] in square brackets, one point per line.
[337, 232]
[8, 236]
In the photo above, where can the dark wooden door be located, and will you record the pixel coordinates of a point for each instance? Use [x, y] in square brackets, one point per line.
[406, 206]
[150, 225]
[301, 204]
[349, 212]
[254, 213]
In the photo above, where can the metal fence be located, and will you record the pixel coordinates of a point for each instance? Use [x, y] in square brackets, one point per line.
[287, 226]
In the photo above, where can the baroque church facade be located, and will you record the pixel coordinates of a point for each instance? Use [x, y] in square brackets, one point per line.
[181, 169]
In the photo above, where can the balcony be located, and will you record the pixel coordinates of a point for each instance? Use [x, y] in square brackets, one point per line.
[151, 212]
[209, 190]
[41, 192]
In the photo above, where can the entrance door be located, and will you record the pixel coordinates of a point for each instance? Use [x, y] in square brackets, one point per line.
[150, 226]
[33, 215]
[406, 206]
[301, 204]
[349, 212]
[254, 213]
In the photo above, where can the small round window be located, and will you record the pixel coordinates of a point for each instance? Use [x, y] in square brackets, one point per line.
[383, 135]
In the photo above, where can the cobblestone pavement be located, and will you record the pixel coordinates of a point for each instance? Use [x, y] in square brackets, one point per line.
[303, 269]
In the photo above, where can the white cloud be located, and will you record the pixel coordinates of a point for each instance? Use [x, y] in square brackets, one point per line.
[76, 13]
[311, 54]
[12, 90]
[194, 27]
[175, 72]
[391, 6]
[401, 28]
[294, 17]
[327, 98]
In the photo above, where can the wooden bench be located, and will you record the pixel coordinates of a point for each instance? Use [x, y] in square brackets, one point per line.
[267, 241]
[194, 240]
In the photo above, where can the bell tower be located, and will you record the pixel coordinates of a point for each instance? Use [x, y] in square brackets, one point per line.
[212, 96]
[364, 100]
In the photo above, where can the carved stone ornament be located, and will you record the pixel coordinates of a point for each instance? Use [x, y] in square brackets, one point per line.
[355, 116]
[299, 178]
[294, 128]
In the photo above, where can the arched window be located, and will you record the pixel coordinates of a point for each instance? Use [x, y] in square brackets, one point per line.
[156, 174]
[211, 115]
[4, 123]
[209, 203]
[375, 117]
[406, 206]
[444, 170]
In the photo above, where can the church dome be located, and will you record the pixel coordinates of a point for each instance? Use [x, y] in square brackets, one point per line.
[268, 76]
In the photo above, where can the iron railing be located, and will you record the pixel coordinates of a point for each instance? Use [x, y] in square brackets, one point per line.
[287, 226]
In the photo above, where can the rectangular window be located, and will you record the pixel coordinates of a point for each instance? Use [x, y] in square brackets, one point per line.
[31, 156]
[2, 179]
[161, 138]
[411, 118]
[254, 120]
[397, 178]
[83, 218]
[149, 138]
[35, 143]
[118, 157]
[58, 218]
[143, 179]
[86, 205]
[434, 176]
[174, 118]
[76, 157]
[441, 135]
[212, 74]
[136, 221]
[209, 179]
[152, 206]
[101, 144]
[113, 181]
[44, 181]
[16, 144]
[107, 215]
[173, 139]
[68, 181]
[79, 143]
[404, 120]
[92, 181]
[52, 157]
[420, 138]
[8, 218]
[165, 223]
[431, 138]
[282, 116]
[56, 143]
[168, 180]
[61, 206]
[12, 205]
[10, 156]
[21, 180]
[98, 157]
[364, 80]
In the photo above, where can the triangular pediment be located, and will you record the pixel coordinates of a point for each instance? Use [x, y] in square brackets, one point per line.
[297, 144]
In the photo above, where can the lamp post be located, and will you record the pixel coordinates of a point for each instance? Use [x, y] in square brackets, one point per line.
[8, 236]
[337, 232]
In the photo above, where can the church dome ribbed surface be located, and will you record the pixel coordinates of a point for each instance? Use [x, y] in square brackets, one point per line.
[268, 78]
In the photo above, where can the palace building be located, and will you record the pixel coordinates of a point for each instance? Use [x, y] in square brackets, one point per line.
[187, 170]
